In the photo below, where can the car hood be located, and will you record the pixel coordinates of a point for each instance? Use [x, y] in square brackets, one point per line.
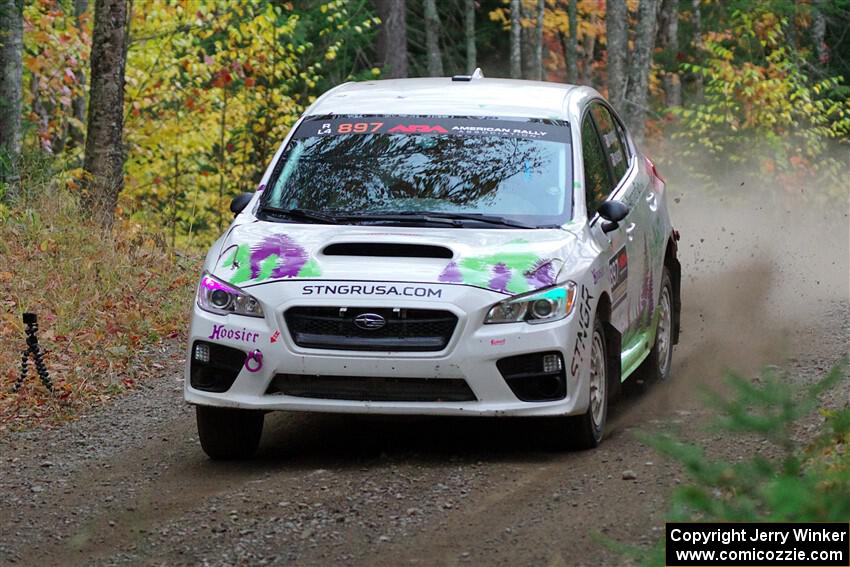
[503, 260]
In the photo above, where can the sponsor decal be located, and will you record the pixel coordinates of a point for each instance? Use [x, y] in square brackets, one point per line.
[498, 342]
[275, 336]
[221, 332]
[596, 273]
[254, 361]
[370, 289]
[618, 267]
[584, 322]
[417, 129]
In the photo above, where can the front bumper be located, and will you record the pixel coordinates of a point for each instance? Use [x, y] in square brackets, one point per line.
[471, 355]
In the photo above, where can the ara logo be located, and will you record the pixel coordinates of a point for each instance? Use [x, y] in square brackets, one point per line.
[417, 129]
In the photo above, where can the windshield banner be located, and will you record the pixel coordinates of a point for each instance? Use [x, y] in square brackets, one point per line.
[548, 130]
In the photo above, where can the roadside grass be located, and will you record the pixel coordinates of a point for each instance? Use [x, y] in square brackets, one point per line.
[796, 477]
[105, 304]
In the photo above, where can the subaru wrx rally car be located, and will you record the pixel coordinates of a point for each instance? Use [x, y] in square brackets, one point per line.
[463, 246]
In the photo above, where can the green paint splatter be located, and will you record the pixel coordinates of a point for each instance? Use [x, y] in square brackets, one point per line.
[310, 269]
[267, 266]
[240, 259]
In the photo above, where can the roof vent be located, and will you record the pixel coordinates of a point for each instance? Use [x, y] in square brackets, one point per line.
[477, 74]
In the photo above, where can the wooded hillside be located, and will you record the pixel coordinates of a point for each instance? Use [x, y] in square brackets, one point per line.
[155, 113]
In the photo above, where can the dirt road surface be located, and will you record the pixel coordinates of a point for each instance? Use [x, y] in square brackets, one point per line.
[129, 484]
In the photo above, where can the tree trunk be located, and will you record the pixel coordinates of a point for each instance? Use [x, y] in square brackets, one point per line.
[636, 104]
[616, 15]
[104, 159]
[538, 42]
[432, 38]
[572, 43]
[392, 38]
[589, 54]
[819, 33]
[526, 40]
[516, 39]
[78, 105]
[469, 26]
[11, 91]
[668, 39]
[698, 90]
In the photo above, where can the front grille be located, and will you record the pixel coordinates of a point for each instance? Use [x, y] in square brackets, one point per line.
[372, 388]
[404, 329]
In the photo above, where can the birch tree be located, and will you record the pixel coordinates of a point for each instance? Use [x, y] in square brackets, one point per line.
[104, 157]
[11, 90]
[391, 44]
[432, 38]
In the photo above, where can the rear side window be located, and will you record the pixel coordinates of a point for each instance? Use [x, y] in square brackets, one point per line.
[597, 180]
[611, 138]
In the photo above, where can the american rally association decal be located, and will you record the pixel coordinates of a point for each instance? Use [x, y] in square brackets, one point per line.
[619, 272]
[535, 129]
[584, 322]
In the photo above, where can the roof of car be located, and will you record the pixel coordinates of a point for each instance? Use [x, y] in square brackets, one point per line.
[443, 96]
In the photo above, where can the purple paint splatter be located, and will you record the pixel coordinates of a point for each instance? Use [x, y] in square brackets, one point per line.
[451, 274]
[291, 257]
[543, 275]
[501, 277]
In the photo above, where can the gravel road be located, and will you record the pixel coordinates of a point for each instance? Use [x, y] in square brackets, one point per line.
[129, 484]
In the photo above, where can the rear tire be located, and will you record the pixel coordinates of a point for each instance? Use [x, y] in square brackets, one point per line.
[228, 433]
[586, 431]
[656, 367]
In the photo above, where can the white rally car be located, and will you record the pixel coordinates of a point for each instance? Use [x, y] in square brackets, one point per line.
[461, 246]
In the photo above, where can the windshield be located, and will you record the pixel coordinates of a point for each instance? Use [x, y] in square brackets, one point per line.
[514, 169]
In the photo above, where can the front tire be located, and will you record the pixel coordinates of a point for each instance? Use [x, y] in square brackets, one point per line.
[228, 433]
[660, 360]
[586, 431]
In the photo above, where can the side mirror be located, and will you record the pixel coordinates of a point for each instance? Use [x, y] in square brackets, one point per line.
[613, 212]
[240, 202]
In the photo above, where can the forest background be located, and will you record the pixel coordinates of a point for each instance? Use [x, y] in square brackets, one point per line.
[127, 126]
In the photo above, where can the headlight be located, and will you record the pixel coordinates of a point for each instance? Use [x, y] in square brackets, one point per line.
[537, 307]
[222, 298]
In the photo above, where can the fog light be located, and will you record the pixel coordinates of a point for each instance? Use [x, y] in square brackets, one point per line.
[202, 353]
[552, 363]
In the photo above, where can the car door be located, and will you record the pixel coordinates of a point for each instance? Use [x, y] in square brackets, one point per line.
[628, 264]
[599, 184]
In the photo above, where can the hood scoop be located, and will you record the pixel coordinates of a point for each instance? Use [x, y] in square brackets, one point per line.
[387, 250]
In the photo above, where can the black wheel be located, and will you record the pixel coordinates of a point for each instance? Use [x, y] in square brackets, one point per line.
[228, 433]
[657, 365]
[586, 431]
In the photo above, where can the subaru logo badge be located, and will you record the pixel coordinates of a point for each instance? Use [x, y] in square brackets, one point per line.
[369, 321]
